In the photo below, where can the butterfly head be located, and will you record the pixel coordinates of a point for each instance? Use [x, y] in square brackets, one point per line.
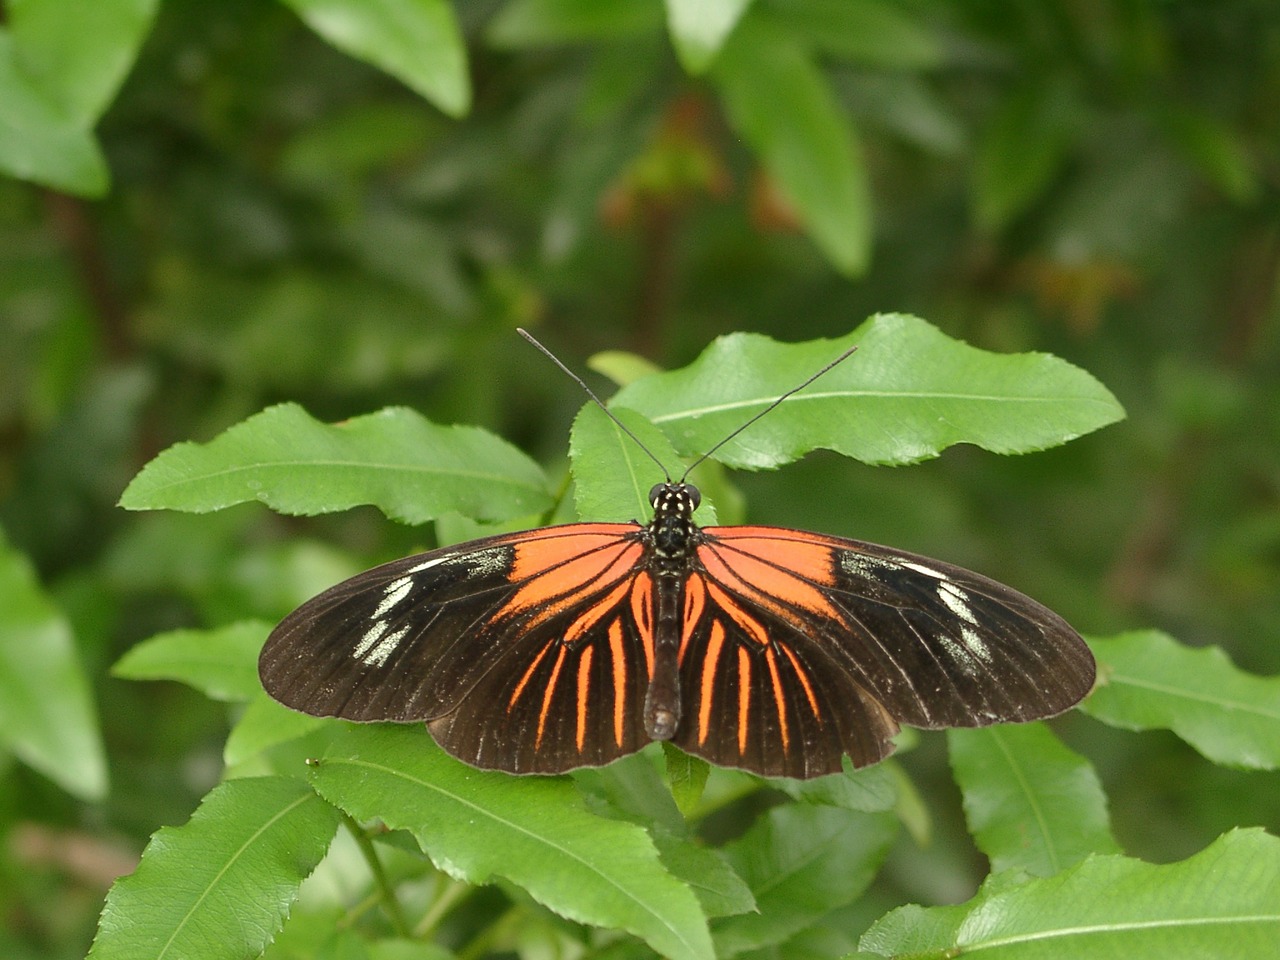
[674, 499]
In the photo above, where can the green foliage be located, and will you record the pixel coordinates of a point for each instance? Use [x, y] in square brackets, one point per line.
[411, 469]
[346, 206]
[221, 885]
[1218, 903]
[1147, 680]
[47, 715]
[910, 393]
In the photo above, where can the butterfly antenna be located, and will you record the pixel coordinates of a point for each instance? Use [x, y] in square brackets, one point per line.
[598, 402]
[796, 389]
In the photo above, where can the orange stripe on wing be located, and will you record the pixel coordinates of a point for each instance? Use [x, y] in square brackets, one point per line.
[744, 697]
[642, 616]
[547, 696]
[584, 693]
[803, 676]
[595, 613]
[779, 698]
[695, 599]
[710, 664]
[619, 679]
[515, 695]
[749, 625]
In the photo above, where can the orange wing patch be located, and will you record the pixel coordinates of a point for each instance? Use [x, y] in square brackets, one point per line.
[777, 573]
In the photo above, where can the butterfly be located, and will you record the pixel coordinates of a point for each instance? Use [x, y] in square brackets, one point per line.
[768, 649]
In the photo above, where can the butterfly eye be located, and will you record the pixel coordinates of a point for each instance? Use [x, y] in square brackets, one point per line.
[654, 492]
[695, 496]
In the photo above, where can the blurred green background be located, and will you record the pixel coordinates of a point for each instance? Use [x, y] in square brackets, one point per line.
[1099, 179]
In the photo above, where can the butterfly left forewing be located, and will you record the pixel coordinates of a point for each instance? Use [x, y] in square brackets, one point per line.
[519, 650]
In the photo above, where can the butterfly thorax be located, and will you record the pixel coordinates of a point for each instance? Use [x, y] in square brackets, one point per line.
[672, 534]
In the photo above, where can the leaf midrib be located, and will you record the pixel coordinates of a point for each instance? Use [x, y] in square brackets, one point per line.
[231, 861]
[736, 405]
[391, 771]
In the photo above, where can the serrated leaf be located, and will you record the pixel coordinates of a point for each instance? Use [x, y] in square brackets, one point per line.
[699, 27]
[221, 885]
[868, 790]
[410, 468]
[612, 475]
[47, 714]
[221, 663]
[39, 141]
[1223, 902]
[478, 825]
[82, 68]
[1147, 680]
[416, 41]
[718, 888]
[782, 104]
[801, 862]
[907, 394]
[1032, 804]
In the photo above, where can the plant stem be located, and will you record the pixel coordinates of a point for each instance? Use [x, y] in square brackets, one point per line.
[389, 901]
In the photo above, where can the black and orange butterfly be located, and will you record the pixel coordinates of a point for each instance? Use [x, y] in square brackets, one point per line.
[763, 648]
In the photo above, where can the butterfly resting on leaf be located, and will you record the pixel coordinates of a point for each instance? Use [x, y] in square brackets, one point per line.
[768, 649]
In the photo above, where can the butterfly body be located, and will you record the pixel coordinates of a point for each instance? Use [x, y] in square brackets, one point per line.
[769, 649]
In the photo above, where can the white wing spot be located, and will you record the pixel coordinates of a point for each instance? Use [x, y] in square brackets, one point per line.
[921, 568]
[386, 646]
[975, 643]
[493, 560]
[428, 564]
[957, 601]
[396, 591]
[369, 639]
[864, 564]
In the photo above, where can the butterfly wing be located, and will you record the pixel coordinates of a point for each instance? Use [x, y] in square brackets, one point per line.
[801, 647]
[520, 651]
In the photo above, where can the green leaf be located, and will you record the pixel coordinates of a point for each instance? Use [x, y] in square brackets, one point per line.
[699, 27]
[718, 888]
[1220, 903]
[906, 395]
[265, 724]
[1215, 149]
[47, 714]
[478, 825]
[612, 475]
[781, 103]
[416, 41]
[870, 31]
[395, 459]
[39, 141]
[533, 23]
[801, 862]
[622, 366]
[1022, 149]
[221, 885]
[221, 663]
[1032, 804]
[79, 53]
[868, 790]
[1147, 680]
